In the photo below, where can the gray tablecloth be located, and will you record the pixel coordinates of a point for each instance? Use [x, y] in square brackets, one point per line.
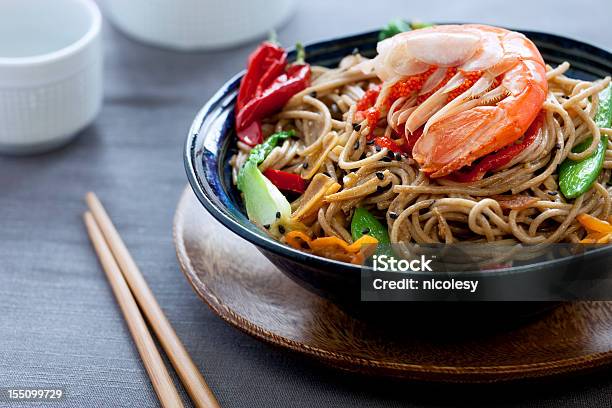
[59, 324]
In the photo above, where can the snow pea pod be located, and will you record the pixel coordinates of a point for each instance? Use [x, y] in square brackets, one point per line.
[364, 223]
[577, 177]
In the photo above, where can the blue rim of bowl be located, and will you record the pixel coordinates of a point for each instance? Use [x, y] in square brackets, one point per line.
[213, 205]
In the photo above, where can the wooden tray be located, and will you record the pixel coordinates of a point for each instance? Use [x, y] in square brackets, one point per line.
[246, 290]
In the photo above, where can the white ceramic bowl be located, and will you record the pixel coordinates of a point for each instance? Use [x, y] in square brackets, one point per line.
[197, 24]
[50, 72]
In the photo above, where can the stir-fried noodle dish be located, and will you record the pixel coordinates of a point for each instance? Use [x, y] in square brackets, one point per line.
[452, 133]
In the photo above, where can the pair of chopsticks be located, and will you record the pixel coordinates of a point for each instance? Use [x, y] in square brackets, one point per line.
[132, 292]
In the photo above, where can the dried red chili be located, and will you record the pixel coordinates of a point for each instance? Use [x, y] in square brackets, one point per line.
[265, 64]
[275, 96]
[266, 87]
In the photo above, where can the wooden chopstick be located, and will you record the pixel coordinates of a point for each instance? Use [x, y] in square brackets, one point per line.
[162, 383]
[187, 371]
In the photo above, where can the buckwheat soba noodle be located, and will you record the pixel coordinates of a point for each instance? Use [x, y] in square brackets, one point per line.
[451, 134]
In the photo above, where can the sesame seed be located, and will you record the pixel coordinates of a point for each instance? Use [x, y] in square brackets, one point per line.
[398, 156]
[552, 193]
[278, 214]
[390, 154]
[365, 231]
[356, 127]
[313, 94]
[370, 142]
[380, 175]
[393, 215]
[305, 165]
[386, 159]
[356, 145]
[378, 149]
[380, 189]
[266, 226]
[281, 229]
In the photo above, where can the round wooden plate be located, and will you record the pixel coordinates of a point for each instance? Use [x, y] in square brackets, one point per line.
[247, 291]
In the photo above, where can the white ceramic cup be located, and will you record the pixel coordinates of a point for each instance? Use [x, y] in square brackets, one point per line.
[197, 24]
[50, 72]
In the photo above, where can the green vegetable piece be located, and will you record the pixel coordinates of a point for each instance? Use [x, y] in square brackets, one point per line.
[261, 151]
[363, 223]
[415, 25]
[266, 206]
[576, 177]
[603, 117]
[399, 26]
[392, 28]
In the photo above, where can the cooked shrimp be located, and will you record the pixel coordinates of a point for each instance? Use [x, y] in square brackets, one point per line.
[480, 88]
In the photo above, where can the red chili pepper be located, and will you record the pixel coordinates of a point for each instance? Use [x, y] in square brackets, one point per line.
[251, 134]
[496, 160]
[286, 181]
[274, 97]
[265, 64]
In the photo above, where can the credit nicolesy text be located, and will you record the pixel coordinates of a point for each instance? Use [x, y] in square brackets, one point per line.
[430, 284]
[385, 263]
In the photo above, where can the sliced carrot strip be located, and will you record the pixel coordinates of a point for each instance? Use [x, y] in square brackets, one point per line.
[594, 224]
[329, 242]
[295, 239]
[335, 241]
[331, 246]
[597, 238]
[364, 240]
[597, 235]
[605, 239]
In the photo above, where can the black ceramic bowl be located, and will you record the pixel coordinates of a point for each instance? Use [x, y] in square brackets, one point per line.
[211, 141]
